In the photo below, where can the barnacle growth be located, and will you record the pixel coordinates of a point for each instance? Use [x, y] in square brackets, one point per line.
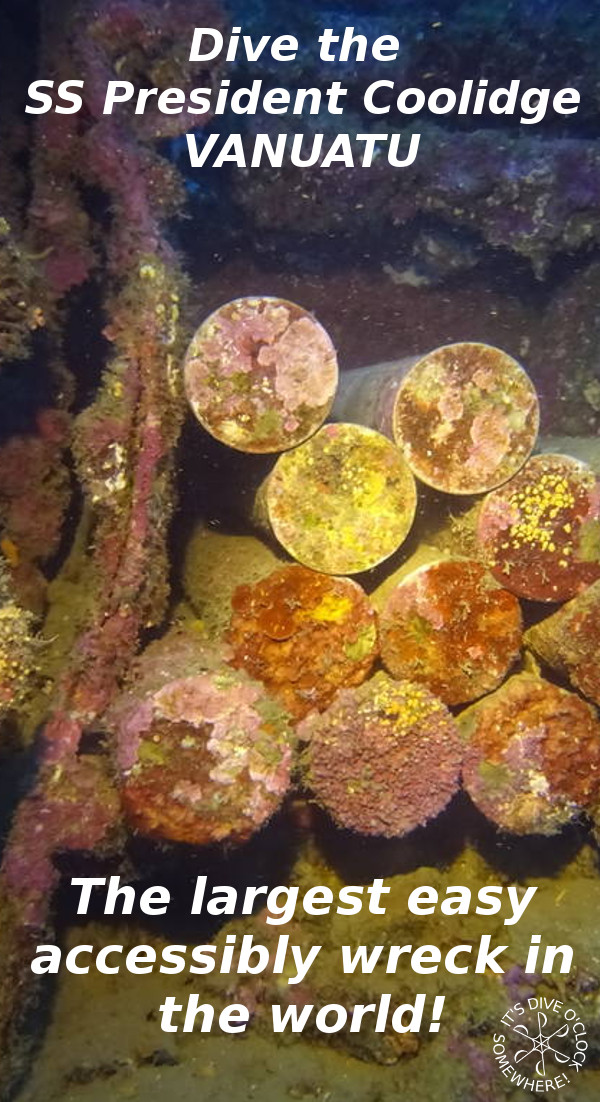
[466, 417]
[261, 374]
[540, 534]
[342, 502]
[450, 626]
[304, 635]
[531, 755]
[384, 758]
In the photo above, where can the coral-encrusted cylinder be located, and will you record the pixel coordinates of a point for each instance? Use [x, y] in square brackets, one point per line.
[532, 756]
[342, 502]
[569, 641]
[450, 626]
[466, 417]
[384, 758]
[205, 756]
[540, 534]
[304, 635]
[261, 374]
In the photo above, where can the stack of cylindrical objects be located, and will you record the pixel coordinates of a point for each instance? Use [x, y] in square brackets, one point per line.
[465, 416]
[383, 755]
[260, 376]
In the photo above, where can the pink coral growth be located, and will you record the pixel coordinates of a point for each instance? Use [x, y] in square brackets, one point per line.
[120, 40]
[261, 374]
[77, 810]
[499, 515]
[450, 404]
[34, 486]
[297, 357]
[491, 436]
[384, 758]
[206, 757]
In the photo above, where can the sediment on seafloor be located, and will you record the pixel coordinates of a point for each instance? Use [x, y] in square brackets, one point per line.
[215, 564]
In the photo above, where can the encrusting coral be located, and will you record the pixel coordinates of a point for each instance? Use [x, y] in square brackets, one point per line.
[18, 662]
[203, 753]
[21, 309]
[540, 533]
[190, 748]
[35, 491]
[451, 627]
[569, 641]
[122, 443]
[261, 374]
[531, 755]
[304, 635]
[343, 501]
[215, 564]
[384, 758]
[34, 480]
[466, 417]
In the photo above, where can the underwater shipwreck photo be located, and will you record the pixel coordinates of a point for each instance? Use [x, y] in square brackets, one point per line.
[299, 550]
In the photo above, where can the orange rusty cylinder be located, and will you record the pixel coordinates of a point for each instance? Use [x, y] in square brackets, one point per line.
[304, 635]
[451, 627]
[531, 756]
[540, 533]
[384, 758]
[343, 501]
[261, 374]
